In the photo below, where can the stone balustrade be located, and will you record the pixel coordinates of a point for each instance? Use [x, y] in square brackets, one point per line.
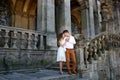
[17, 38]
[96, 47]
[98, 58]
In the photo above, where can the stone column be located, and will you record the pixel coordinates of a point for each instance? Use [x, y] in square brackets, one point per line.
[87, 19]
[46, 22]
[63, 16]
[118, 16]
[41, 15]
[51, 35]
[99, 15]
[91, 19]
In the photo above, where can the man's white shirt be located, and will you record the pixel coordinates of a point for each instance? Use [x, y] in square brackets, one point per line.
[70, 44]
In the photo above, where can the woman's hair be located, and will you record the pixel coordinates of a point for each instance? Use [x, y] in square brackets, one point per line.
[59, 38]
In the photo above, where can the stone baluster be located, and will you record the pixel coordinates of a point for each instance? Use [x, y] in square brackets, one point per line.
[85, 55]
[6, 39]
[29, 41]
[0, 31]
[15, 39]
[35, 41]
[0, 34]
[99, 48]
[41, 42]
[90, 50]
[32, 40]
[23, 41]
[95, 56]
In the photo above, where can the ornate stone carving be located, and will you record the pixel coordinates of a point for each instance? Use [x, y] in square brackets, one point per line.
[106, 11]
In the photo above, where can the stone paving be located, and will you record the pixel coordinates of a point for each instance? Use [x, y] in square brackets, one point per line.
[39, 75]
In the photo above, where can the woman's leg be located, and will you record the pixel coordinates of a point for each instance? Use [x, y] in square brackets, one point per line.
[60, 64]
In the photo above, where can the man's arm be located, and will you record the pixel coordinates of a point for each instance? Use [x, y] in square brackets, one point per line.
[72, 40]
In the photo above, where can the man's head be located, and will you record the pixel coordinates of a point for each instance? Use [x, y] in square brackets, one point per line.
[66, 33]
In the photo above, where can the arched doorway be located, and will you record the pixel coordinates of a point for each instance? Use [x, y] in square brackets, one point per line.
[75, 18]
[74, 26]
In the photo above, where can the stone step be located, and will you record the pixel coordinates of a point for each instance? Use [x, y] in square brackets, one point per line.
[39, 75]
[81, 79]
[55, 66]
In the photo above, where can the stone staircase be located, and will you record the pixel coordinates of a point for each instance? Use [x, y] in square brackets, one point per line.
[40, 74]
[55, 66]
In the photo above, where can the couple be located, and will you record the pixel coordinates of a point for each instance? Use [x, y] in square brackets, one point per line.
[66, 52]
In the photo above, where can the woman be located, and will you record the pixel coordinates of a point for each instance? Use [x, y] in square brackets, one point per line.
[61, 51]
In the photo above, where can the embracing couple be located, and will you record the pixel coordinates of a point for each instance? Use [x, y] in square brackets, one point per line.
[66, 52]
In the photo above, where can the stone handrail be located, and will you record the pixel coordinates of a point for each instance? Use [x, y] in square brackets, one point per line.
[96, 47]
[18, 38]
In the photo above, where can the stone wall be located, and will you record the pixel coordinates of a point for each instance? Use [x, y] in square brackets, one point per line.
[11, 59]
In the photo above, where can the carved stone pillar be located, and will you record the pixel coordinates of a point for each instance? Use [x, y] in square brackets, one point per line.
[35, 41]
[51, 41]
[116, 16]
[6, 39]
[41, 42]
[87, 19]
[85, 23]
[41, 15]
[29, 41]
[15, 39]
[91, 19]
[46, 22]
[63, 16]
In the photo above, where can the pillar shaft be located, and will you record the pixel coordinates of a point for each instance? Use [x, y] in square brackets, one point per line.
[41, 15]
[87, 16]
[51, 34]
[91, 19]
[85, 23]
[63, 16]
[46, 21]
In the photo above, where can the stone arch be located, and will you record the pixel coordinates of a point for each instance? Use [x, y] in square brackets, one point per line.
[23, 13]
[76, 20]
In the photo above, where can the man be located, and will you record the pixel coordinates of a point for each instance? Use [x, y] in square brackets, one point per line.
[70, 54]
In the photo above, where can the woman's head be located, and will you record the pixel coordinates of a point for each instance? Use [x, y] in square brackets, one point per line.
[60, 36]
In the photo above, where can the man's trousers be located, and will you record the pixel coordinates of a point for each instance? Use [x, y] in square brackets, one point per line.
[70, 55]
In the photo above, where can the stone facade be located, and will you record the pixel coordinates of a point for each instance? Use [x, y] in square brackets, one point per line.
[29, 29]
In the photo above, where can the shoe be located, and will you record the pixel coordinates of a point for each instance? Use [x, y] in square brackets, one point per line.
[74, 72]
[69, 72]
[61, 73]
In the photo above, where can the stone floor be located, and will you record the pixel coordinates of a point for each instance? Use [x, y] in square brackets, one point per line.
[39, 75]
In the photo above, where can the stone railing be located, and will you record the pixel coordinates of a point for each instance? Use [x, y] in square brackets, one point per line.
[17, 38]
[113, 40]
[97, 46]
[96, 56]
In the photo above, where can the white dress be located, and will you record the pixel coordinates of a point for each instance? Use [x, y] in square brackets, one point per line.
[61, 53]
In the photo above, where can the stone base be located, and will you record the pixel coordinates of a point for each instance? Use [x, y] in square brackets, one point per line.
[11, 59]
[51, 41]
